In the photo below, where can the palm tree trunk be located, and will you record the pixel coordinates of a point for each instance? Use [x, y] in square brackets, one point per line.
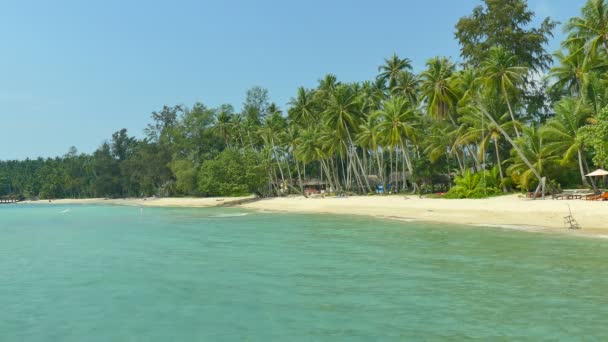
[513, 144]
[278, 161]
[299, 176]
[390, 175]
[580, 165]
[380, 170]
[511, 113]
[504, 188]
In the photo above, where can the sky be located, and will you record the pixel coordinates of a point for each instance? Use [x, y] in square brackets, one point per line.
[73, 72]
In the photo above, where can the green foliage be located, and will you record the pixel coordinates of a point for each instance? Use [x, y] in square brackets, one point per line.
[233, 173]
[476, 185]
[596, 136]
[507, 24]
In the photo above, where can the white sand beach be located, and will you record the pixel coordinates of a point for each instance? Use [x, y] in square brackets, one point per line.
[511, 211]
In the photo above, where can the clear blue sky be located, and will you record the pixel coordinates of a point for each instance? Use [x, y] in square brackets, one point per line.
[73, 72]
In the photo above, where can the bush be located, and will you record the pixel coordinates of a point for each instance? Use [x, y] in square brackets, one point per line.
[473, 185]
[232, 173]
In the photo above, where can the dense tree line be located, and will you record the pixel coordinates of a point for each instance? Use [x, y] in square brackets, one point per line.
[505, 117]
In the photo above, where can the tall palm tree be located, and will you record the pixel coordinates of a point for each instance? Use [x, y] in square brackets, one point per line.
[398, 123]
[438, 88]
[303, 109]
[501, 72]
[391, 69]
[369, 139]
[408, 86]
[223, 126]
[562, 132]
[571, 73]
[342, 115]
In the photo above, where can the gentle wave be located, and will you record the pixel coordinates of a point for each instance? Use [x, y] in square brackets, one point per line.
[229, 215]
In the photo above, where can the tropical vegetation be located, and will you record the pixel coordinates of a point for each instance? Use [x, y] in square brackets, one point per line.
[505, 115]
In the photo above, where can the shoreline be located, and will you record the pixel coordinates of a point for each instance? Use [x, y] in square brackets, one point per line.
[504, 212]
[167, 202]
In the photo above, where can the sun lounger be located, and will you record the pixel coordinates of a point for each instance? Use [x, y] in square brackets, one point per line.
[602, 197]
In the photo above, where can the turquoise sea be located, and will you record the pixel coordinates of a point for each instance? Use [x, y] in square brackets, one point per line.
[112, 273]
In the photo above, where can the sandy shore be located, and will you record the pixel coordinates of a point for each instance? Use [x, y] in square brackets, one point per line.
[154, 202]
[506, 211]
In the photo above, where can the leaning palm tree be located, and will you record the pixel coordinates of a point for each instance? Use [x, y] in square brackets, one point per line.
[478, 102]
[562, 132]
[482, 131]
[391, 68]
[532, 152]
[501, 72]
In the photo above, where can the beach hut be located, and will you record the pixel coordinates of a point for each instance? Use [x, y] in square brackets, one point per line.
[314, 186]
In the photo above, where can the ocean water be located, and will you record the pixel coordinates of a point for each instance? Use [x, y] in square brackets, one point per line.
[111, 273]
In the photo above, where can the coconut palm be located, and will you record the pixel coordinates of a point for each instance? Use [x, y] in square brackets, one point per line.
[398, 123]
[391, 69]
[369, 138]
[534, 153]
[223, 125]
[591, 28]
[303, 109]
[562, 132]
[407, 86]
[342, 116]
[482, 131]
[438, 88]
[502, 73]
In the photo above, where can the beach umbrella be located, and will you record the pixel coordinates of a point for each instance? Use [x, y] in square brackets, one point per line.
[598, 173]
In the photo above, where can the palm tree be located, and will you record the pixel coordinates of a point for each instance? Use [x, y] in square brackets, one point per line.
[309, 149]
[501, 72]
[223, 125]
[442, 140]
[591, 28]
[483, 131]
[562, 132]
[408, 86]
[303, 109]
[271, 131]
[369, 138]
[438, 88]
[532, 152]
[342, 115]
[572, 70]
[399, 123]
[391, 69]
[518, 151]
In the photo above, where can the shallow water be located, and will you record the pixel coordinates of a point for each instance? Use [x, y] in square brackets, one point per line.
[109, 273]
